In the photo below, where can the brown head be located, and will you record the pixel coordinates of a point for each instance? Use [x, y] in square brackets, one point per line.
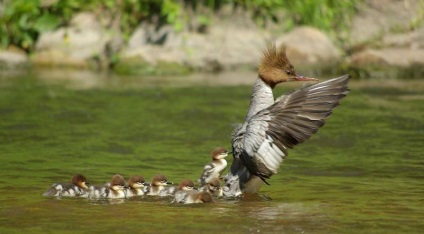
[186, 185]
[275, 67]
[219, 153]
[160, 180]
[204, 197]
[117, 183]
[214, 184]
[137, 182]
[80, 181]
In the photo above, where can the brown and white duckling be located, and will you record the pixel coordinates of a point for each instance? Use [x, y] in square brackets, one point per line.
[77, 187]
[214, 168]
[213, 187]
[192, 196]
[158, 184]
[136, 186]
[184, 185]
[115, 189]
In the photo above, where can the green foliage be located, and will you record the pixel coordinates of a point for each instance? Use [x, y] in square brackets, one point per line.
[323, 14]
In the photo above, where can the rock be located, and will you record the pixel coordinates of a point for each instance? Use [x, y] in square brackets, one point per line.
[412, 40]
[224, 45]
[378, 17]
[83, 43]
[12, 58]
[389, 57]
[311, 47]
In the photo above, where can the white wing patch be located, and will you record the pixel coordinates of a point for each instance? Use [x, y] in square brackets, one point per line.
[270, 155]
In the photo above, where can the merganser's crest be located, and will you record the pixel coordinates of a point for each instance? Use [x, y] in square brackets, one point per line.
[275, 67]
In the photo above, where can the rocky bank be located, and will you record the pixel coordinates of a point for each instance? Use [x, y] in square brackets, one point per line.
[384, 34]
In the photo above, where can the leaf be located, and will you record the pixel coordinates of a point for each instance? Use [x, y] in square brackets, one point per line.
[47, 22]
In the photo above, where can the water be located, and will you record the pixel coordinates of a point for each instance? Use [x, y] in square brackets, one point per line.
[362, 173]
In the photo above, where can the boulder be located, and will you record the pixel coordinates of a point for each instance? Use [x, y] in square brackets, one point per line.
[85, 41]
[224, 45]
[12, 58]
[378, 17]
[307, 46]
[389, 57]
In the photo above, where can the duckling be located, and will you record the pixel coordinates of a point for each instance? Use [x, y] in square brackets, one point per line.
[115, 189]
[214, 169]
[77, 187]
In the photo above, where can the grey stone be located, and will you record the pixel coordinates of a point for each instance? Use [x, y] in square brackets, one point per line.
[309, 46]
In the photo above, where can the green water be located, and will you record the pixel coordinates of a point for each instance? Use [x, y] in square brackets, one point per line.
[362, 173]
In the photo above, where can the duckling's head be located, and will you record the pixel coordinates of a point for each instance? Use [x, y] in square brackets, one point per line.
[204, 197]
[160, 180]
[117, 183]
[186, 185]
[219, 153]
[136, 182]
[214, 184]
[80, 181]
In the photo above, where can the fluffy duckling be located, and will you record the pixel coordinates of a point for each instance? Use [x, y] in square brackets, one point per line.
[214, 169]
[192, 196]
[136, 186]
[158, 184]
[184, 185]
[213, 187]
[115, 189]
[77, 187]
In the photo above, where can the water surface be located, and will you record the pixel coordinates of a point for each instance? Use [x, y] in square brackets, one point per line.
[362, 173]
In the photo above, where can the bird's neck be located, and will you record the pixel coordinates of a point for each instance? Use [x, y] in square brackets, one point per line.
[262, 97]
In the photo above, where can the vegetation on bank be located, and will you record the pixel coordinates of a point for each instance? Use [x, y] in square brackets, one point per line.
[22, 21]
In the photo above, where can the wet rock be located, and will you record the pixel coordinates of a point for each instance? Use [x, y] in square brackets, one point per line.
[84, 43]
[13, 58]
[308, 46]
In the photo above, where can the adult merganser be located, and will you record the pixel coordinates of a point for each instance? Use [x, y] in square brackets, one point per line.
[136, 186]
[115, 189]
[192, 196]
[271, 127]
[213, 187]
[158, 184]
[214, 169]
[184, 185]
[77, 187]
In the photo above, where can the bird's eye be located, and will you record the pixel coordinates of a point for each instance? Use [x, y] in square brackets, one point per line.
[288, 72]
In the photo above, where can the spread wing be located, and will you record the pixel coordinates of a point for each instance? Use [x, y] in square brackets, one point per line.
[288, 122]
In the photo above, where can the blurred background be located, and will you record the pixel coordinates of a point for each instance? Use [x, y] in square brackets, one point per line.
[366, 38]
